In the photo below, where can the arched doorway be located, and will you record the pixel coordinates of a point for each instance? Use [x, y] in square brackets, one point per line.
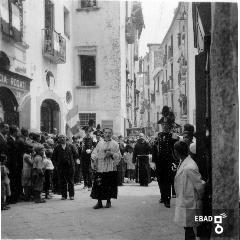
[8, 107]
[50, 116]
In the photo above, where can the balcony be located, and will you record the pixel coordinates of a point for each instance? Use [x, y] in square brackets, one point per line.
[164, 59]
[170, 52]
[54, 46]
[130, 31]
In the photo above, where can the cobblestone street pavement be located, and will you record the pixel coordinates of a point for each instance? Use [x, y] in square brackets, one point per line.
[136, 214]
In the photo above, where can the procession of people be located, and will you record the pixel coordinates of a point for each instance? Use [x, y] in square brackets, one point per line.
[34, 163]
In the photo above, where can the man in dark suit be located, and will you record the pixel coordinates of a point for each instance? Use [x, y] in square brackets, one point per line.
[4, 130]
[14, 164]
[64, 157]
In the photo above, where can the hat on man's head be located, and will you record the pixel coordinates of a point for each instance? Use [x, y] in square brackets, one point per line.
[165, 111]
[87, 128]
[98, 133]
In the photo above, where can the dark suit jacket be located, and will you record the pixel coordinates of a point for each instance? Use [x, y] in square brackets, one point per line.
[60, 161]
[3, 149]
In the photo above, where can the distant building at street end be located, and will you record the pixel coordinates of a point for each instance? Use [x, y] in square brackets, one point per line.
[171, 71]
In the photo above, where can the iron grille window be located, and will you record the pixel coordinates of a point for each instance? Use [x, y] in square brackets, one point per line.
[88, 70]
[85, 117]
[88, 3]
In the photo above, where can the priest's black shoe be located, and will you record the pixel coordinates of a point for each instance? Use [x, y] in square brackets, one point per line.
[98, 205]
[108, 205]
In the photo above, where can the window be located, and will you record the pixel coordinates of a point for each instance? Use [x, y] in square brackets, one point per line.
[85, 117]
[172, 100]
[66, 22]
[12, 19]
[88, 3]
[183, 106]
[149, 117]
[88, 70]
[158, 84]
[49, 14]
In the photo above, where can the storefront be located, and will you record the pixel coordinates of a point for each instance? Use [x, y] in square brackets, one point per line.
[14, 98]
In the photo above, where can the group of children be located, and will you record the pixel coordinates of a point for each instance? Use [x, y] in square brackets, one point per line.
[36, 175]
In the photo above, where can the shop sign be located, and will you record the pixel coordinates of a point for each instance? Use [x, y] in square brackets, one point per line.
[20, 69]
[13, 82]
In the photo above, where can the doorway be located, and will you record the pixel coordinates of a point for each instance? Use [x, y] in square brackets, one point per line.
[8, 107]
[50, 116]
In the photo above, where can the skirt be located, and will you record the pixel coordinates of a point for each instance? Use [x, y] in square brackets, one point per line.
[105, 185]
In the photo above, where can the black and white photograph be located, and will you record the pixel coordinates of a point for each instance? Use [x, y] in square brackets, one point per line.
[119, 120]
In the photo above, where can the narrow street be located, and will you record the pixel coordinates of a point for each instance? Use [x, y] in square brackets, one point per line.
[136, 214]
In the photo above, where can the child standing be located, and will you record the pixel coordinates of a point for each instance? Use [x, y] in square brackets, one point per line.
[48, 172]
[128, 156]
[5, 185]
[38, 173]
[27, 174]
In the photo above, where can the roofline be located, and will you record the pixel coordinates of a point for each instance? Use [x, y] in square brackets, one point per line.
[173, 21]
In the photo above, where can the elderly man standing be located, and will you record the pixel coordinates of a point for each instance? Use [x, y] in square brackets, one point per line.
[105, 157]
[141, 158]
[64, 157]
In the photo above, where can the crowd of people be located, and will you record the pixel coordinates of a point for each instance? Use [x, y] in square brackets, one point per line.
[35, 165]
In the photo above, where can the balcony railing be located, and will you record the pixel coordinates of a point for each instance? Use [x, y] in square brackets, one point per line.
[54, 46]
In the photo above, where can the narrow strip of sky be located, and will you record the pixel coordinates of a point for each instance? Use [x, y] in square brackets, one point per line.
[158, 16]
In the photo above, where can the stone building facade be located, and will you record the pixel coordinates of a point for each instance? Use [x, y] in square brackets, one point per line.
[105, 54]
[68, 62]
[171, 65]
[36, 39]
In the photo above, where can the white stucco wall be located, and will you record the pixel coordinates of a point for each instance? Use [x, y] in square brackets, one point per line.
[103, 31]
[38, 65]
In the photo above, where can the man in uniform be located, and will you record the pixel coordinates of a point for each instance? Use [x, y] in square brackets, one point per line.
[163, 159]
